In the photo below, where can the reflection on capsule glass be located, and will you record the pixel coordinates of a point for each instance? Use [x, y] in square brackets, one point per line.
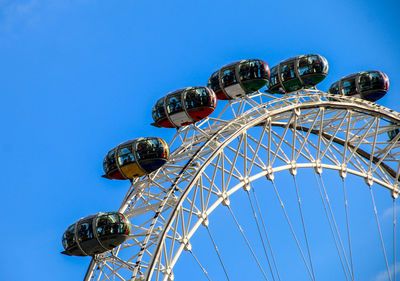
[368, 85]
[184, 107]
[297, 73]
[239, 79]
[135, 158]
[96, 234]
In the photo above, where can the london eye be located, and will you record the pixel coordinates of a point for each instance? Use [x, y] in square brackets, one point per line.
[281, 172]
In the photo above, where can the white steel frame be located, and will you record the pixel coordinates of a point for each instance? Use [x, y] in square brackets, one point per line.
[218, 156]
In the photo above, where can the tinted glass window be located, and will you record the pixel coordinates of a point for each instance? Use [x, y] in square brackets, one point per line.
[349, 87]
[304, 67]
[111, 223]
[213, 97]
[364, 82]
[287, 71]
[191, 99]
[109, 162]
[149, 148]
[325, 65]
[101, 224]
[204, 96]
[85, 231]
[158, 110]
[377, 81]
[213, 82]
[69, 237]
[174, 104]
[195, 98]
[107, 225]
[251, 70]
[316, 64]
[274, 80]
[125, 155]
[334, 89]
[228, 76]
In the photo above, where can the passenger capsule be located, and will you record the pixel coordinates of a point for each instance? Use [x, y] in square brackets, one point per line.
[368, 85]
[96, 234]
[135, 158]
[297, 73]
[184, 107]
[239, 79]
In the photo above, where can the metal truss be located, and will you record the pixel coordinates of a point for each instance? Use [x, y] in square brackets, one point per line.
[253, 137]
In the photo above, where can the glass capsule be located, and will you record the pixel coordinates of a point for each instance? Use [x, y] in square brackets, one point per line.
[297, 73]
[239, 79]
[95, 234]
[184, 107]
[368, 85]
[135, 158]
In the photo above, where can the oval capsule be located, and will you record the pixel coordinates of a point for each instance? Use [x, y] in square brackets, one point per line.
[297, 73]
[368, 85]
[239, 79]
[96, 234]
[135, 158]
[184, 107]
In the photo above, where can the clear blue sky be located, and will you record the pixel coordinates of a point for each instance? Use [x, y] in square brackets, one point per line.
[79, 77]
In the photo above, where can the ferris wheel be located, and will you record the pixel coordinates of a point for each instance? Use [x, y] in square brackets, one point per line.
[271, 186]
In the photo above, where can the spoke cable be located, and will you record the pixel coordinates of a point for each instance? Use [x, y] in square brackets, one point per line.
[335, 225]
[259, 232]
[304, 226]
[202, 268]
[327, 215]
[394, 239]
[348, 226]
[291, 228]
[330, 226]
[247, 242]
[380, 232]
[218, 254]
[266, 233]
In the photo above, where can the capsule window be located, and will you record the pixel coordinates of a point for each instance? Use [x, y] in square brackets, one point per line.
[195, 98]
[315, 64]
[258, 69]
[174, 104]
[109, 224]
[213, 82]
[274, 80]
[304, 66]
[325, 65]
[213, 98]
[251, 70]
[125, 156]
[349, 87]
[244, 71]
[69, 237]
[159, 110]
[377, 82]
[109, 163]
[85, 231]
[364, 82]
[334, 89]
[191, 99]
[150, 148]
[204, 97]
[287, 71]
[101, 225]
[228, 76]
[143, 149]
